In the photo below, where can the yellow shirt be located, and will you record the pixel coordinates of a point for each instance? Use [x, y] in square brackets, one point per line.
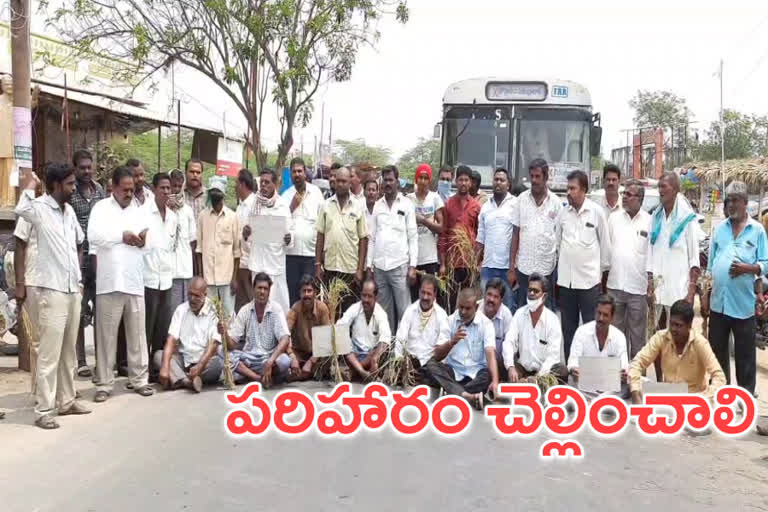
[695, 366]
[218, 240]
[343, 229]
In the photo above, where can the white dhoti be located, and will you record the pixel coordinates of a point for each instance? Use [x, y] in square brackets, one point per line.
[279, 291]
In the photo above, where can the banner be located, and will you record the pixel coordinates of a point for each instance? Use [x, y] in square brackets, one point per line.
[229, 157]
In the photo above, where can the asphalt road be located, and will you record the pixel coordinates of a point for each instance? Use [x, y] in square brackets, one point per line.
[170, 452]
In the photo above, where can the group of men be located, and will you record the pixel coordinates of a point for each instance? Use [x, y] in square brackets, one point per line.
[169, 273]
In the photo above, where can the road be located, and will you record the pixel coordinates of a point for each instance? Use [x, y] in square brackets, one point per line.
[170, 452]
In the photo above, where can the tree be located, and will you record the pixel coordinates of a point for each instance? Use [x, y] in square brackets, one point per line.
[745, 137]
[357, 151]
[250, 49]
[659, 109]
[426, 151]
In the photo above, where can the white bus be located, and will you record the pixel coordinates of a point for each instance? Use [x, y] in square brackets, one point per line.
[506, 122]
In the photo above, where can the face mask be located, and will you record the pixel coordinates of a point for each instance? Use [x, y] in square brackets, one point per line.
[533, 304]
[444, 188]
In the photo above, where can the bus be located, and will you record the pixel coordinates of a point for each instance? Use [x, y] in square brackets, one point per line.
[507, 122]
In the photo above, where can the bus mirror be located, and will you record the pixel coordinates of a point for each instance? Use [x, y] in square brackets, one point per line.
[438, 131]
[595, 137]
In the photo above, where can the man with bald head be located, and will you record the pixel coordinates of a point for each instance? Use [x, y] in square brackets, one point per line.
[464, 359]
[189, 359]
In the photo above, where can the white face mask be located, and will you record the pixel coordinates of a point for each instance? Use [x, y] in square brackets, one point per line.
[534, 304]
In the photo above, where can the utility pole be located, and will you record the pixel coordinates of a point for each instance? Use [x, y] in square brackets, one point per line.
[722, 130]
[21, 67]
[322, 130]
[330, 138]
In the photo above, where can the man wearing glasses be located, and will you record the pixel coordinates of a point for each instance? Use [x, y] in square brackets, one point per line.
[628, 230]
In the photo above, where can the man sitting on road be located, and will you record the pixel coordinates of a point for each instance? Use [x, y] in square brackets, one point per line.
[307, 313]
[464, 361]
[370, 333]
[498, 313]
[189, 359]
[686, 356]
[599, 338]
[532, 345]
[259, 337]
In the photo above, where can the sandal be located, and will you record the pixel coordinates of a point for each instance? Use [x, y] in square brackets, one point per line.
[146, 390]
[46, 423]
[478, 401]
[100, 396]
[84, 372]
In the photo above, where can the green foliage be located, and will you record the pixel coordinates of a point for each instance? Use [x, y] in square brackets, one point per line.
[357, 151]
[746, 135]
[425, 151]
[659, 109]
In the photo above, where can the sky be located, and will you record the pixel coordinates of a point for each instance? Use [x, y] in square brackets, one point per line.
[394, 95]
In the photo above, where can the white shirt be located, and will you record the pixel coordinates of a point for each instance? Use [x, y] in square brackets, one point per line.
[266, 257]
[585, 344]
[602, 201]
[420, 342]
[160, 258]
[467, 357]
[427, 239]
[494, 231]
[537, 250]
[584, 246]
[27, 233]
[393, 239]
[629, 251]
[194, 332]
[538, 347]
[186, 233]
[120, 266]
[673, 264]
[58, 235]
[305, 219]
[366, 334]
[243, 213]
[502, 321]
[149, 197]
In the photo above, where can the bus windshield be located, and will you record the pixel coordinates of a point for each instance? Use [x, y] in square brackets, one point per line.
[561, 137]
[478, 138]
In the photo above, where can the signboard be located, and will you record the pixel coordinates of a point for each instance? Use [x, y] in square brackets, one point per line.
[559, 91]
[22, 136]
[516, 91]
[558, 174]
[229, 157]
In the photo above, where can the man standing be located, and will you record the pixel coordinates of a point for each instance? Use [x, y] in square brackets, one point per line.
[305, 201]
[189, 357]
[738, 253]
[194, 193]
[534, 243]
[393, 252]
[494, 234]
[464, 360]
[265, 256]
[218, 246]
[117, 232]
[629, 230]
[421, 325]
[307, 313]
[611, 201]
[370, 332]
[532, 344]
[259, 337]
[444, 182]
[142, 193]
[371, 188]
[356, 180]
[494, 310]
[583, 241]
[461, 213]
[246, 193]
[27, 273]
[673, 257]
[430, 211]
[474, 188]
[685, 355]
[599, 338]
[159, 262]
[342, 239]
[186, 240]
[56, 303]
[87, 193]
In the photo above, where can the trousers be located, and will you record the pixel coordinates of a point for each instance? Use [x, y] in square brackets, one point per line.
[179, 367]
[244, 293]
[179, 290]
[631, 318]
[224, 294]
[157, 304]
[113, 307]
[297, 267]
[429, 268]
[575, 304]
[57, 315]
[443, 376]
[394, 295]
[509, 299]
[522, 289]
[745, 355]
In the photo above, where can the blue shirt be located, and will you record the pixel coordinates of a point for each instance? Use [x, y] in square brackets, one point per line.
[467, 357]
[735, 296]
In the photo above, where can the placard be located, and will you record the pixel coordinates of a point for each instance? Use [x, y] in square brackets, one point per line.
[600, 374]
[268, 229]
[651, 387]
[321, 340]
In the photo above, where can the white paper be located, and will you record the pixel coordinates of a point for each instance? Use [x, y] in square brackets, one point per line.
[321, 340]
[653, 387]
[268, 229]
[600, 374]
